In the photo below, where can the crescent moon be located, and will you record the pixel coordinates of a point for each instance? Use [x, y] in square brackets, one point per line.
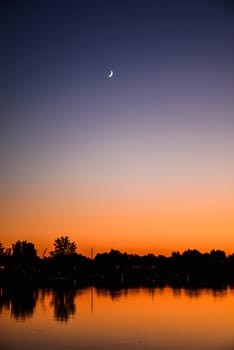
[111, 74]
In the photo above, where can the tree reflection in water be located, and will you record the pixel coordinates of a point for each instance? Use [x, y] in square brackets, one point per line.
[21, 301]
[64, 305]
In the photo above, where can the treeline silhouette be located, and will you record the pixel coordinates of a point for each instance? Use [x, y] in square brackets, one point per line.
[64, 266]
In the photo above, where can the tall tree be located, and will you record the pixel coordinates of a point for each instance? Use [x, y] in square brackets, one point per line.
[1, 249]
[63, 247]
[2, 257]
[24, 255]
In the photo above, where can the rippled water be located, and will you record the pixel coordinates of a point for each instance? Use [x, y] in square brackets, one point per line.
[141, 318]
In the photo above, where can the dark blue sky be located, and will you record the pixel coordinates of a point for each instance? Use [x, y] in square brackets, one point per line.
[53, 44]
[162, 52]
[166, 55]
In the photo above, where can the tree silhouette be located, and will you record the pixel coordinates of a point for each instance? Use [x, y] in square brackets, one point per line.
[65, 266]
[63, 246]
[24, 255]
[1, 249]
[2, 257]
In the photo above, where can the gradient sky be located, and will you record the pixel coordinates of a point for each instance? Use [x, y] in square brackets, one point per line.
[141, 162]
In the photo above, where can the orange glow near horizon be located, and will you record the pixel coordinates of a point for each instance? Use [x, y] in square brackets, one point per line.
[134, 222]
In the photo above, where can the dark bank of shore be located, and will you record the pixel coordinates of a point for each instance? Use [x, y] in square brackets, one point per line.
[117, 279]
[191, 269]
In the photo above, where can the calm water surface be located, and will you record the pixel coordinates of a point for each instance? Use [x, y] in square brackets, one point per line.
[159, 318]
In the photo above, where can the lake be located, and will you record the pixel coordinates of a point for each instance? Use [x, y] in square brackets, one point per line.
[137, 318]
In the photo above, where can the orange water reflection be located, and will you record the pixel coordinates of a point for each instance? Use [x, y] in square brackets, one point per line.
[158, 318]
